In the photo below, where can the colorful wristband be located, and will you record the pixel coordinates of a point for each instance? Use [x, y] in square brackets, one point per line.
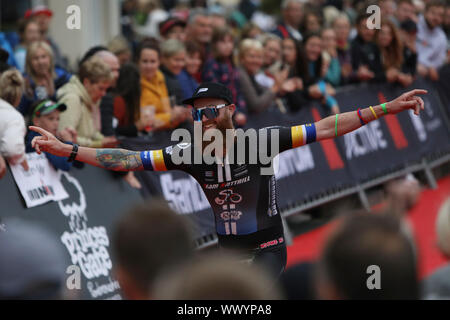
[335, 125]
[373, 112]
[358, 112]
[383, 106]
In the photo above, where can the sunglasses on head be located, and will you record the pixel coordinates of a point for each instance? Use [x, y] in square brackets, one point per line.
[210, 112]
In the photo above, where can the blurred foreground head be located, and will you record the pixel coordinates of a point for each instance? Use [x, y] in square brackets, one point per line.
[443, 228]
[149, 239]
[364, 253]
[216, 277]
[32, 263]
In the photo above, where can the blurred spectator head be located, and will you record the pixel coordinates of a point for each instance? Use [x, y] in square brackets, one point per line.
[272, 49]
[292, 12]
[173, 55]
[148, 58]
[251, 31]
[363, 30]
[408, 31]
[361, 244]
[218, 16]
[217, 277]
[387, 8]
[434, 13]
[149, 239]
[173, 28]
[312, 21]
[251, 55]
[402, 194]
[4, 55]
[297, 281]
[405, 11]
[312, 44]
[330, 13]
[90, 53]
[443, 228]
[389, 41]
[290, 51]
[33, 264]
[11, 86]
[112, 61]
[129, 88]
[342, 27]
[193, 58]
[42, 15]
[28, 31]
[329, 39]
[222, 43]
[45, 114]
[96, 77]
[39, 61]
[200, 26]
[120, 47]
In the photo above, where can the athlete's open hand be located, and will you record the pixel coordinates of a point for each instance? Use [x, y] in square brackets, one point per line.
[47, 142]
[408, 100]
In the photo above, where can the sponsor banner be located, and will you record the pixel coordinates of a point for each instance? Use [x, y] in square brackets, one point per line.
[40, 183]
[394, 141]
[83, 222]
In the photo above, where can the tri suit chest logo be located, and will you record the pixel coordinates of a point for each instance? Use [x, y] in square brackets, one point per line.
[212, 186]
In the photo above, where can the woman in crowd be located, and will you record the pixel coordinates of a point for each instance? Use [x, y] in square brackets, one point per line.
[312, 70]
[259, 98]
[192, 66]
[292, 51]
[312, 22]
[306, 63]
[342, 27]
[272, 54]
[29, 33]
[330, 57]
[42, 77]
[127, 102]
[154, 90]
[392, 53]
[391, 50]
[82, 95]
[12, 124]
[220, 68]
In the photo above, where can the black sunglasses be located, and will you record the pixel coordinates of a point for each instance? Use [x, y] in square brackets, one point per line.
[210, 112]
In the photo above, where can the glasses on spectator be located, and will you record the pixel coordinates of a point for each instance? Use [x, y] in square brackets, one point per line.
[210, 112]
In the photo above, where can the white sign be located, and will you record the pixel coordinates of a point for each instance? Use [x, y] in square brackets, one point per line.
[41, 183]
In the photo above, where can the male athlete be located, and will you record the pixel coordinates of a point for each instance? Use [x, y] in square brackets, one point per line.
[242, 197]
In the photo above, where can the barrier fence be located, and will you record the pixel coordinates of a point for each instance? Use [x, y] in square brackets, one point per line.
[308, 176]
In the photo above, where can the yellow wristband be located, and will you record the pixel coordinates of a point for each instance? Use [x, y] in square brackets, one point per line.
[373, 112]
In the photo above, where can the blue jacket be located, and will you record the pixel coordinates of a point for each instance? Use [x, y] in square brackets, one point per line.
[62, 77]
[187, 83]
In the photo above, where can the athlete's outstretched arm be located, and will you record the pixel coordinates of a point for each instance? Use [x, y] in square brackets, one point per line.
[349, 121]
[112, 159]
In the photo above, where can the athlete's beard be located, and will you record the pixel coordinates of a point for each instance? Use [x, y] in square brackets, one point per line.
[226, 122]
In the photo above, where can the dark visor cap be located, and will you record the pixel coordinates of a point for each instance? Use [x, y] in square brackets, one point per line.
[211, 90]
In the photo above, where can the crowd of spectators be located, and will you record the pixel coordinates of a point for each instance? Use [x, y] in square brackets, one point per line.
[134, 84]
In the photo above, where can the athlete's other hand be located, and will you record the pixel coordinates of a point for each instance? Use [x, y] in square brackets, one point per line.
[47, 142]
[408, 100]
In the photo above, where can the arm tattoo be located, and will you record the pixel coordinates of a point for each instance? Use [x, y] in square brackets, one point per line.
[118, 159]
